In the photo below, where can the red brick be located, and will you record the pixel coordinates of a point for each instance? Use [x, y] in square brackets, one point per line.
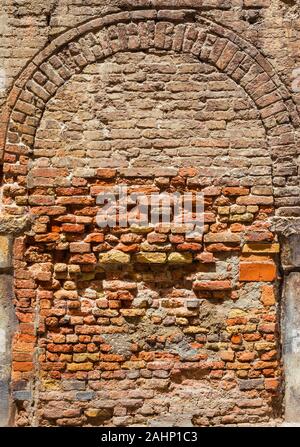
[106, 173]
[212, 285]
[88, 258]
[236, 339]
[94, 237]
[48, 210]
[156, 238]
[70, 228]
[235, 191]
[188, 246]
[257, 271]
[49, 237]
[188, 172]
[22, 366]
[80, 247]
[255, 200]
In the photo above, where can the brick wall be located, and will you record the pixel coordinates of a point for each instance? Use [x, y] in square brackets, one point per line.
[126, 326]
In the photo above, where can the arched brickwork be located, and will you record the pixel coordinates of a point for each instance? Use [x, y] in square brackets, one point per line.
[160, 30]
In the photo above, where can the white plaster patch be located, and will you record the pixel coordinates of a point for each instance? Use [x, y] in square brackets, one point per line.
[107, 69]
[3, 24]
[2, 341]
[296, 341]
[4, 252]
[296, 80]
[2, 79]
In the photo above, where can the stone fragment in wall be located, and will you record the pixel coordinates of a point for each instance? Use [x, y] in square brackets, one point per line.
[223, 210]
[180, 258]
[87, 366]
[163, 247]
[243, 209]
[139, 229]
[93, 413]
[60, 268]
[246, 217]
[264, 346]
[82, 357]
[195, 330]
[74, 269]
[193, 304]
[114, 257]
[241, 328]
[14, 224]
[150, 258]
[139, 364]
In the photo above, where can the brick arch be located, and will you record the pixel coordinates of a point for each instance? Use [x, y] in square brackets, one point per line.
[143, 31]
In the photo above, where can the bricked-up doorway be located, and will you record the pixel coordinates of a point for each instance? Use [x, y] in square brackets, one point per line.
[144, 326]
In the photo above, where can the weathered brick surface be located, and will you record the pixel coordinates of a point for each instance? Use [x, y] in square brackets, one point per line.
[127, 326]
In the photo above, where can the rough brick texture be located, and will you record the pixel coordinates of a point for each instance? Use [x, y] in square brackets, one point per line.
[147, 326]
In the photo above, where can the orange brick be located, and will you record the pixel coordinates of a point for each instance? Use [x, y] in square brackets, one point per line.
[257, 271]
[212, 285]
[236, 339]
[188, 172]
[271, 384]
[22, 366]
[106, 173]
[95, 237]
[235, 191]
[227, 356]
[267, 295]
[246, 356]
[22, 357]
[237, 227]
